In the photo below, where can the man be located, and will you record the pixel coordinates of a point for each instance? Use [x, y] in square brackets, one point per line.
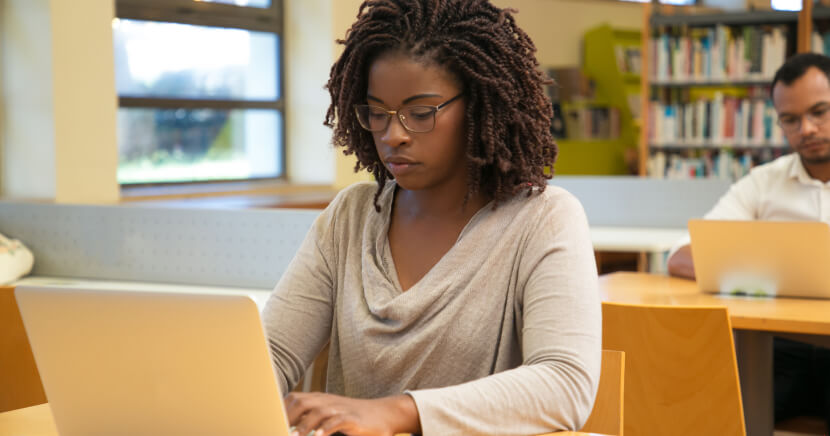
[792, 187]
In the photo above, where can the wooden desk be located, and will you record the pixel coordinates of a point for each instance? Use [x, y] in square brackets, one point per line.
[37, 421]
[754, 321]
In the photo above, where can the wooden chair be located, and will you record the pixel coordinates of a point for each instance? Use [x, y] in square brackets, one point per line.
[316, 381]
[681, 376]
[607, 415]
[19, 379]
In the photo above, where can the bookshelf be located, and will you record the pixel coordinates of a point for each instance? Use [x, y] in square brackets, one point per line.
[705, 107]
[820, 41]
[611, 59]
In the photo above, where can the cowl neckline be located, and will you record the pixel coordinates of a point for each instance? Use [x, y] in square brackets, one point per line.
[385, 299]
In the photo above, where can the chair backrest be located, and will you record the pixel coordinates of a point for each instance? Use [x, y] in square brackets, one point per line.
[20, 384]
[607, 415]
[681, 375]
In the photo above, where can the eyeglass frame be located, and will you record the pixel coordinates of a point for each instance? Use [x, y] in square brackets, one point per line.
[816, 120]
[435, 110]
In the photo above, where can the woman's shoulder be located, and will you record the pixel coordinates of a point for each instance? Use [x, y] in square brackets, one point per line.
[349, 212]
[356, 202]
[553, 200]
[357, 193]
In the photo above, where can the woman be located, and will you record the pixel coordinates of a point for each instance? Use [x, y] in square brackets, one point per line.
[459, 293]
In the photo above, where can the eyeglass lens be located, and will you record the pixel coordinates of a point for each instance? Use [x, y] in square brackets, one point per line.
[414, 118]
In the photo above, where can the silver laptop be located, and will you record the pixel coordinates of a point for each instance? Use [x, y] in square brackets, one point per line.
[762, 258]
[149, 363]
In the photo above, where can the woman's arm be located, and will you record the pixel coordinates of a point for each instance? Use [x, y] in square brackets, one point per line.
[560, 332]
[298, 315]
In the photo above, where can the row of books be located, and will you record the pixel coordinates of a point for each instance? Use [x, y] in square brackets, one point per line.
[722, 120]
[821, 43]
[723, 164]
[718, 54]
[589, 123]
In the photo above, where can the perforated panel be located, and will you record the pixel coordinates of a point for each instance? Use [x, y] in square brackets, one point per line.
[641, 202]
[237, 248]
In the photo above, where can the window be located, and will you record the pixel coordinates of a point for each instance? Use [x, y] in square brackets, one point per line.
[200, 90]
[667, 2]
[786, 5]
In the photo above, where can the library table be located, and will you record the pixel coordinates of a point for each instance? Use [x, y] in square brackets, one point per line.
[37, 421]
[754, 322]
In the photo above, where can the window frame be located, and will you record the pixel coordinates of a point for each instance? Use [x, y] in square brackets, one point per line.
[201, 13]
[693, 3]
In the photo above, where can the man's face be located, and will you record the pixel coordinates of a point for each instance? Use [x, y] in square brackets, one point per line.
[803, 108]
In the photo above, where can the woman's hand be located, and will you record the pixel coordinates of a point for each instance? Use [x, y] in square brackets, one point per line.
[326, 414]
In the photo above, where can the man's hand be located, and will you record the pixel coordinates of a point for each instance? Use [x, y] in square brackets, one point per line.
[680, 264]
[326, 414]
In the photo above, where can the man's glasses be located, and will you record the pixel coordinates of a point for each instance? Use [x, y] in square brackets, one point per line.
[817, 116]
[416, 119]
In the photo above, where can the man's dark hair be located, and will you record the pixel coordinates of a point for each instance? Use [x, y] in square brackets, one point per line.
[507, 115]
[797, 65]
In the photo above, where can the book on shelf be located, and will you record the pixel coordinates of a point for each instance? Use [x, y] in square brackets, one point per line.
[576, 116]
[557, 123]
[717, 54]
[722, 120]
[629, 59]
[820, 43]
[721, 164]
[589, 123]
[634, 104]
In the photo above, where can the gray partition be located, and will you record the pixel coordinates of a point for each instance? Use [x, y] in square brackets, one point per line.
[234, 248]
[252, 248]
[642, 202]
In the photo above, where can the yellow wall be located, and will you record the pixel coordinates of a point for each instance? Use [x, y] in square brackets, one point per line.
[86, 147]
[345, 12]
[556, 27]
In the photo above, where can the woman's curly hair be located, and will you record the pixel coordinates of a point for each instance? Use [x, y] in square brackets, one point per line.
[507, 115]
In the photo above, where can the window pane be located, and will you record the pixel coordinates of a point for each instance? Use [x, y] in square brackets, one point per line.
[171, 60]
[786, 5]
[180, 145]
[251, 3]
[668, 2]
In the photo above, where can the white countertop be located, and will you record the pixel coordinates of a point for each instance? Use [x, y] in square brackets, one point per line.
[634, 239]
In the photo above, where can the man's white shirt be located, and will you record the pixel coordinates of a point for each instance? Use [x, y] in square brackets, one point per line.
[780, 190]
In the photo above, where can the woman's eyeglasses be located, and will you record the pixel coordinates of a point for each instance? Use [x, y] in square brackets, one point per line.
[416, 119]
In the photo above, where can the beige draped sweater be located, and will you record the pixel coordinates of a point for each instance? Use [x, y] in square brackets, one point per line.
[502, 336]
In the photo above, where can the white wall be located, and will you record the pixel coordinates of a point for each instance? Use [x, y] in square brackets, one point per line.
[58, 93]
[308, 58]
[2, 91]
[28, 133]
